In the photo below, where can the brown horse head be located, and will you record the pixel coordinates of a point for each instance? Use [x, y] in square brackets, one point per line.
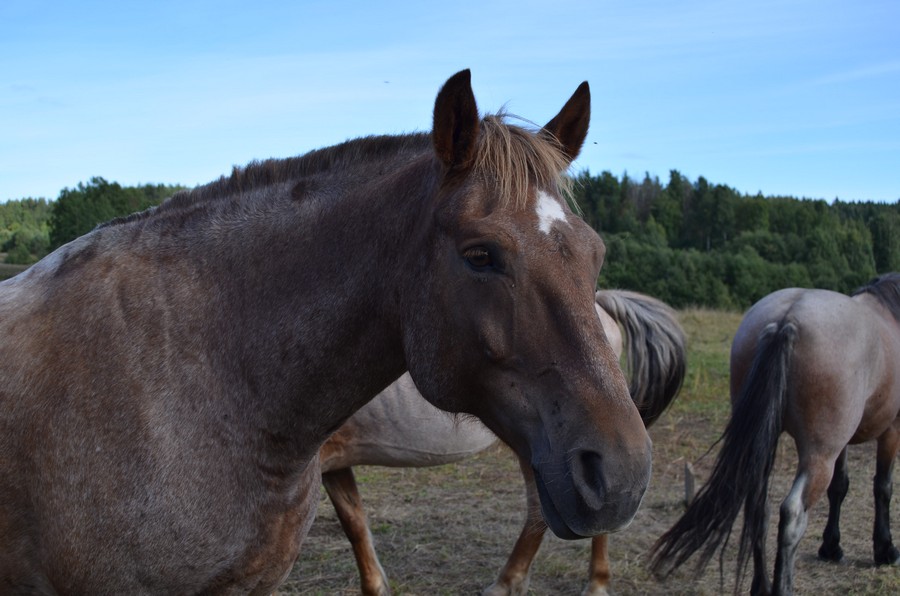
[502, 324]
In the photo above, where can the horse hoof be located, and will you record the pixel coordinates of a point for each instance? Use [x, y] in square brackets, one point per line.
[887, 556]
[379, 587]
[835, 553]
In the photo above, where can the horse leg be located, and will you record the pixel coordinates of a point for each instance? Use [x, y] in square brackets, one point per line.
[598, 573]
[809, 485]
[885, 551]
[344, 494]
[831, 538]
[516, 573]
[761, 585]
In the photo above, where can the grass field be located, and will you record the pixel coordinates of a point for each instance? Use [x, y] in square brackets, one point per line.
[448, 530]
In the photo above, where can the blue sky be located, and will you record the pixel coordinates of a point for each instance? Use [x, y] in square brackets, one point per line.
[791, 97]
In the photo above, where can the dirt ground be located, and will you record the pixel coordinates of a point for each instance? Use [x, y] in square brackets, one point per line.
[448, 530]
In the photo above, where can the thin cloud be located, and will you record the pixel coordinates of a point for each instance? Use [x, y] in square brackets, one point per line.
[858, 74]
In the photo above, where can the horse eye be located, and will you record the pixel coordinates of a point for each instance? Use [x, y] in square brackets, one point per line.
[478, 257]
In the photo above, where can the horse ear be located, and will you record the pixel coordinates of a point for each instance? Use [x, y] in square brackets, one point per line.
[456, 122]
[570, 126]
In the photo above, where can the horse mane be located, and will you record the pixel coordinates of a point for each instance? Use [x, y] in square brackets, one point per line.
[260, 173]
[508, 157]
[335, 157]
[886, 288]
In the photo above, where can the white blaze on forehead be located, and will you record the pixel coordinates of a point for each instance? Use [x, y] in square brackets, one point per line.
[549, 210]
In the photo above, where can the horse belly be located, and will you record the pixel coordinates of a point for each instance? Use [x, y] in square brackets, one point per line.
[400, 428]
[881, 412]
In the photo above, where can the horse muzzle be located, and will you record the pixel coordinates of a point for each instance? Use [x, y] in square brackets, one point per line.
[590, 493]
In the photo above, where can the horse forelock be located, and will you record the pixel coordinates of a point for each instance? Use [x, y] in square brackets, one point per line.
[512, 159]
[886, 289]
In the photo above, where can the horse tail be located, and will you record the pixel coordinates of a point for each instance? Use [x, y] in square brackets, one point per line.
[655, 348]
[740, 476]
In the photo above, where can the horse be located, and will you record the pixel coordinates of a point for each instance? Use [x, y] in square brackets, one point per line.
[821, 366]
[399, 428]
[169, 377]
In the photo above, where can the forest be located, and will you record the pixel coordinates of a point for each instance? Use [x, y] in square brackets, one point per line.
[693, 243]
[31, 228]
[689, 243]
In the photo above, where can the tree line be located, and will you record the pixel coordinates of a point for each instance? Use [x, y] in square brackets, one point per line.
[696, 243]
[31, 228]
[24, 230]
[685, 242]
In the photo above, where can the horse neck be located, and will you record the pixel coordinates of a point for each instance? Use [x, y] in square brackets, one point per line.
[309, 303]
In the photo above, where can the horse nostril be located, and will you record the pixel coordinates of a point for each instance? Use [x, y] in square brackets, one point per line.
[590, 471]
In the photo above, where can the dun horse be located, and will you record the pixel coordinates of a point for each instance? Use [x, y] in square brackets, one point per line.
[399, 428]
[822, 367]
[169, 378]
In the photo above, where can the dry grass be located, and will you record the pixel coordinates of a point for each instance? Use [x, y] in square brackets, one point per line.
[448, 530]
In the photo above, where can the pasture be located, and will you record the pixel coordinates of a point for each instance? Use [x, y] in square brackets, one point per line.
[448, 530]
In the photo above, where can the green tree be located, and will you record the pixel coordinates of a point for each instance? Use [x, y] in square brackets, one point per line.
[24, 230]
[885, 228]
[599, 199]
[707, 244]
[751, 214]
[668, 208]
[643, 196]
[78, 210]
